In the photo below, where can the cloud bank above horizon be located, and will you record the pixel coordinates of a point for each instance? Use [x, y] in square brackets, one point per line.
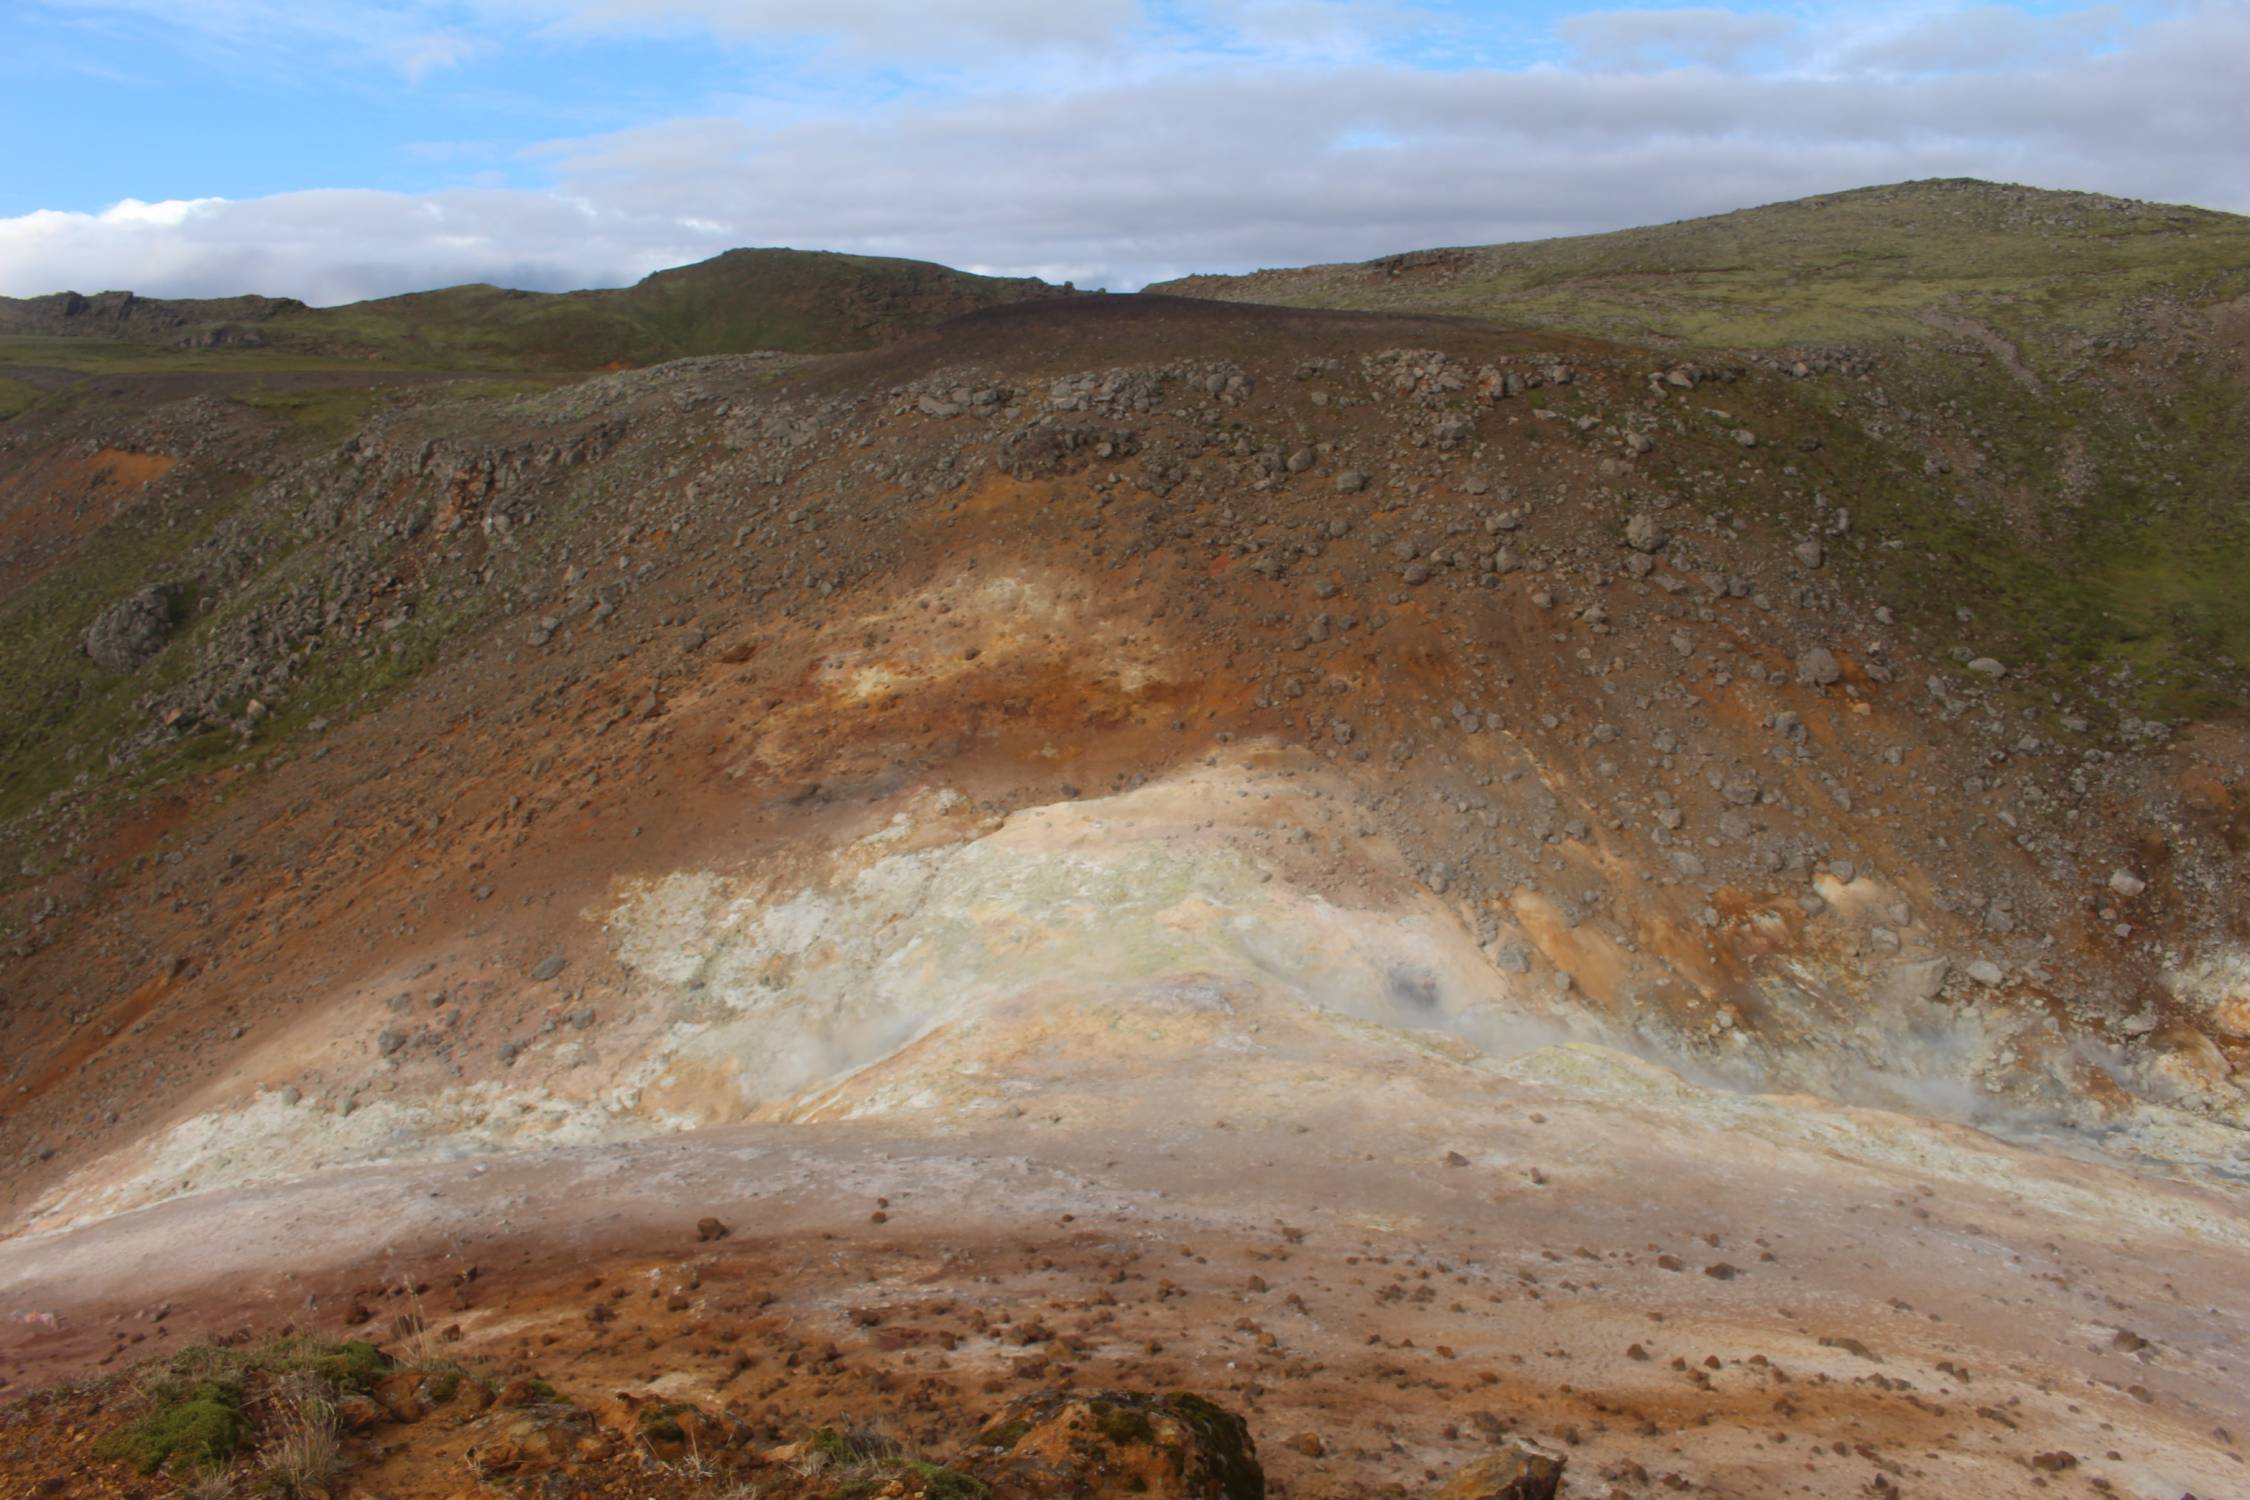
[338, 149]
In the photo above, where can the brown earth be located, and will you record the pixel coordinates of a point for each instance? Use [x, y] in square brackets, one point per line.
[841, 792]
[50, 506]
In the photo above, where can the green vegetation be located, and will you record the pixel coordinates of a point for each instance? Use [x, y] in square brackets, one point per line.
[16, 396]
[1226, 1438]
[2123, 570]
[1852, 267]
[97, 355]
[354, 1365]
[1007, 1434]
[65, 711]
[1123, 1424]
[865, 1463]
[194, 1404]
[328, 414]
[70, 713]
[942, 1483]
[795, 301]
[937, 1482]
[197, 1423]
[349, 1366]
[2105, 533]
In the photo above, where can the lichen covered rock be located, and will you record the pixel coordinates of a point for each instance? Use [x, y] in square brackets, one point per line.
[1176, 1447]
[130, 631]
[1517, 1472]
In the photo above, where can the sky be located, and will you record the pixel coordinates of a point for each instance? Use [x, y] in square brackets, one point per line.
[338, 149]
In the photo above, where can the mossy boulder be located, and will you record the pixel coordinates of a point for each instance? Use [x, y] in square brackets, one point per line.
[353, 1366]
[1175, 1447]
[132, 630]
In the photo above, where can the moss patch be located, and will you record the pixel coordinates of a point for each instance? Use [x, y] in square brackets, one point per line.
[1123, 1424]
[355, 1365]
[1007, 1434]
[197, 1424]
[935, 1481]
[661, 1424]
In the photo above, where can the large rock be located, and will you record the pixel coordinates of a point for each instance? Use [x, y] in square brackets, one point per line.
[132, 630]
[1818, 667]
[1517, 1472]
[1920, 980]
[1176, 1447]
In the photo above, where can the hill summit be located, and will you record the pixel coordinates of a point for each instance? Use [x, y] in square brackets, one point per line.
[799, 301]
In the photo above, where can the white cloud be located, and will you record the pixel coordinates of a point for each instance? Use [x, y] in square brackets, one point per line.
[1215, 167]
[887, 27]
[1978, 39]
[336, 246]
[404, 37]
[419, 56]
[167, 215]
[1638, 40]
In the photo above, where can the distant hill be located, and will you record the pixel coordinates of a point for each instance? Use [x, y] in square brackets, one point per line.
[123, 315]
[1853, 266]
[2077, 364]
[798, 301]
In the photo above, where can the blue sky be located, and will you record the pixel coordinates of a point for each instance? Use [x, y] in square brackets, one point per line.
[337, 148]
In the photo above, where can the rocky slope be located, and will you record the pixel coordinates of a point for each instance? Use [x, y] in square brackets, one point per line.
[2053, 381]
[1311, 856]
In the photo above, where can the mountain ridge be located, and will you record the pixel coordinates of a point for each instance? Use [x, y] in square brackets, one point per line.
[803, 301]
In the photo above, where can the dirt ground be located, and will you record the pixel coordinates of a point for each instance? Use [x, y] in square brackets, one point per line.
[1000, 886]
